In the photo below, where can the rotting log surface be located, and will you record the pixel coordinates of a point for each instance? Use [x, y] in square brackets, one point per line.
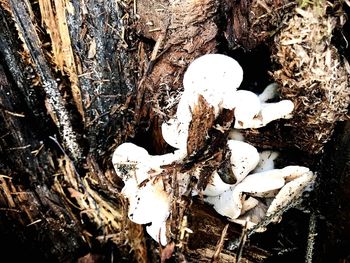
[80, 77]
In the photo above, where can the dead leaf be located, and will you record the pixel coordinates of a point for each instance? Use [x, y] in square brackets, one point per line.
[74, 193]
[92, 49]
[167, 252]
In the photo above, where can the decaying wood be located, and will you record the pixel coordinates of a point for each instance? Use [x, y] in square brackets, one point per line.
[333, 192]
[39, 217]
[78, 78]
[92, 75]
[43, 191]
[186, 30]
[253, 22]
[21, 13]
[207, 143]
[202, 120]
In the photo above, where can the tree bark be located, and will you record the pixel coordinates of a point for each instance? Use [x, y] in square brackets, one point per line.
[77, 79]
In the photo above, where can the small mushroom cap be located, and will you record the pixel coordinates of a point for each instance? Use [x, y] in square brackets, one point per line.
[266, 161]
[175, 133]
[262, 182]
[130, 160]
[214, 76]
[269, 92]
[216, 186]
[247, 107]
[278, 110]
[228, 204]
[129, 153]
[244, 158]
[292, 172]
[149, 203]
[290, 192]
[251, 113]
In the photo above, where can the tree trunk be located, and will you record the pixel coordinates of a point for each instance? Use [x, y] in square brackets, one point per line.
[78, 78]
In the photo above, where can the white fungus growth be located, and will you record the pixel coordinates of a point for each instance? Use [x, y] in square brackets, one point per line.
[244, 158]
[157, 230]
[216, 78]
[266, 161]
[269, 92]
[216, 186]
[228, 204]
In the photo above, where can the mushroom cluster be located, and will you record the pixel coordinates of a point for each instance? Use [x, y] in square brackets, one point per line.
[258, 189]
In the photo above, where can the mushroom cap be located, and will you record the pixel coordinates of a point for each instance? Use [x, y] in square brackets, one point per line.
[277, 110]
[261, 183]
[289, 193]
[266, 161]
[148, 203]
[128, 153]
[175, 133]
[214, 76]
[157, 230]
[247, 108]
[130, 160]
[228, 204]
[216, 186]
[269, 92]
[244, 158]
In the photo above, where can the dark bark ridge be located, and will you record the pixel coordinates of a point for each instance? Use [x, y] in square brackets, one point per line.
[79, 78]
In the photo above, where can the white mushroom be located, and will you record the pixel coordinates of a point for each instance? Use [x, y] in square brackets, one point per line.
[252, 111]
[269, 92]
[148, 203]
[291, 180]
[228, 204]
[148, 200]
[157, 230]
[130, 160]
[268, 113]
[247, 109]
[277, 110]
[126, 160]
[216, 186]
[262, 182]
[175, 133]
[266, 161]
[216, 84]
[244, 158]
[290, 191]
[283, 108]
[214, 76]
